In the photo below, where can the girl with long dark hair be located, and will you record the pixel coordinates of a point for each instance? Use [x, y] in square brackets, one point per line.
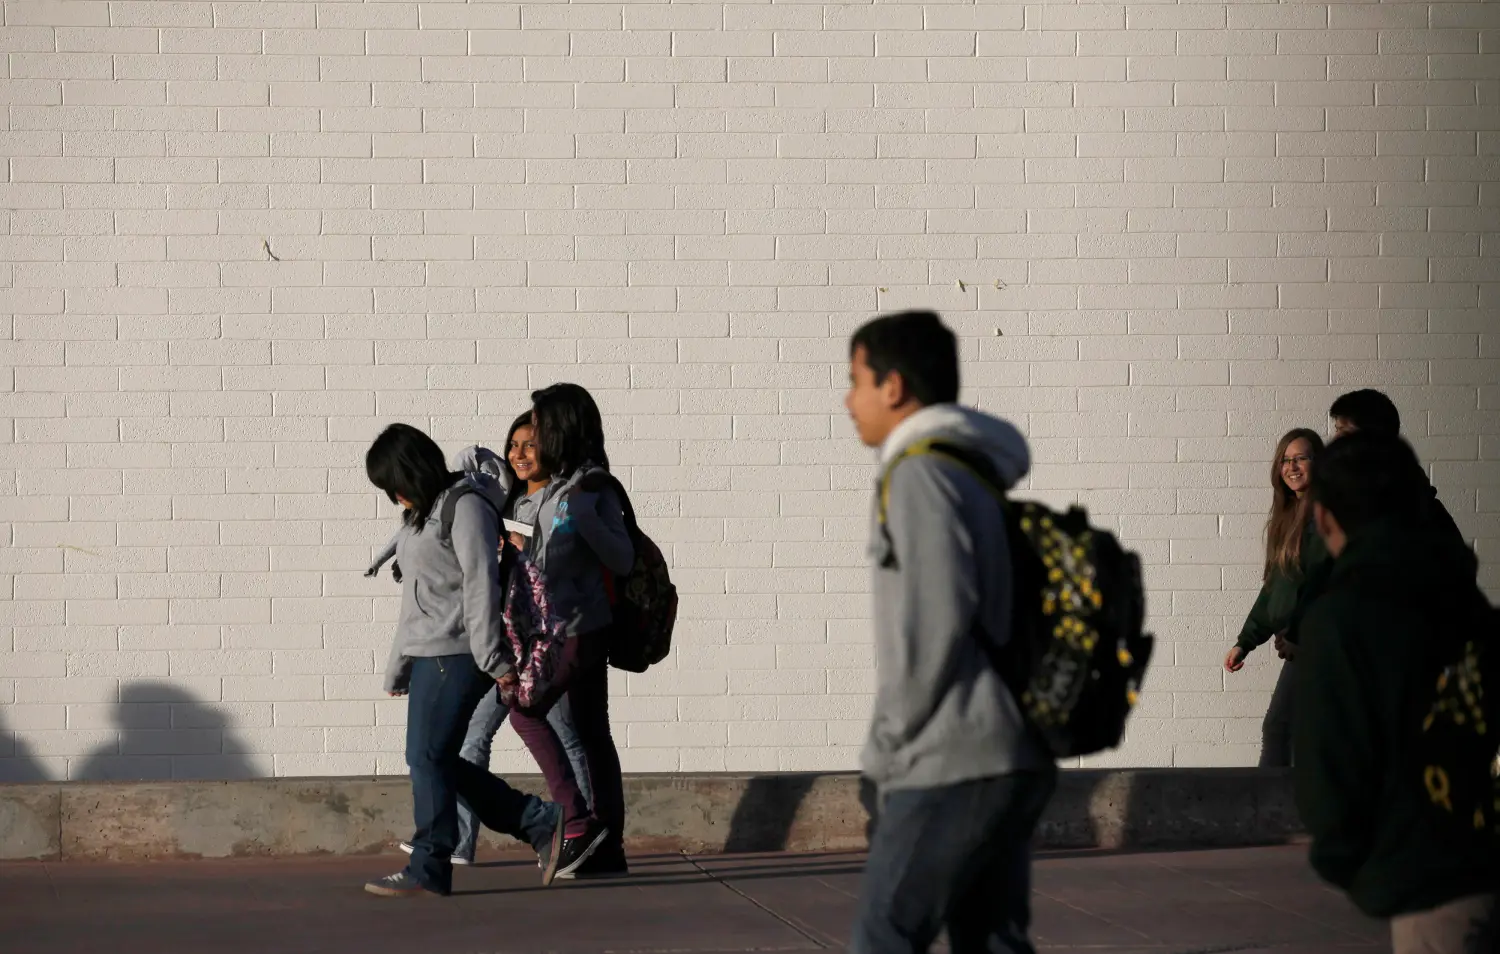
[1294, 551]
[579, 540]
[526, 480]
[446, 655]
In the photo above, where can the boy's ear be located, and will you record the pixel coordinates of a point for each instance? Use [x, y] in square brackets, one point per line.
[893, 389]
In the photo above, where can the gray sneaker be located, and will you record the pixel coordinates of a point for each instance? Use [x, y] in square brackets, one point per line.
[399, 885]
[553, 857]
[456, 859]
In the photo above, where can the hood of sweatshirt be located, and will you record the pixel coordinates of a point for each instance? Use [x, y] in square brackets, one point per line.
[478, 459]
[482, 482]
[997, 439]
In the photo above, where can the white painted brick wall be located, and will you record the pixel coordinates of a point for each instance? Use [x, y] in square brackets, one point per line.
[1167, 232]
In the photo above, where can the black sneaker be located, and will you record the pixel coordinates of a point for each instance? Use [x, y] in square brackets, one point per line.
[608, 862]
[579, 848]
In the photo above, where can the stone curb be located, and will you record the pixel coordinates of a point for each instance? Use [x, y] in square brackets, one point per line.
[1132, 808]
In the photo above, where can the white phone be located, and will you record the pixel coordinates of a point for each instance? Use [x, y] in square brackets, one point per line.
[524, 529]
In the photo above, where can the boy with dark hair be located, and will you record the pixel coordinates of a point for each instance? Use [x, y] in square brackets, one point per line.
[1370, 412]
[1399, 599]
[1366, 410]
[958, 778]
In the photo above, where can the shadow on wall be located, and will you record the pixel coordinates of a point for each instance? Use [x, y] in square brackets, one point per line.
[17, 764]
[165, 733]
[765, 814]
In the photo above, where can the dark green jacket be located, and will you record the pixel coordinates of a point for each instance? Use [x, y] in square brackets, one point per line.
[1273, 609]
[1372, 645]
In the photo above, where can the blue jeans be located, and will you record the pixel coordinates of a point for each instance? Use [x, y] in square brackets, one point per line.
[488, 717]
[443, 692]
[959, 856]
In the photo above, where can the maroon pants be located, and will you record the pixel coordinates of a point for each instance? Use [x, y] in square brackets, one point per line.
[583, 674]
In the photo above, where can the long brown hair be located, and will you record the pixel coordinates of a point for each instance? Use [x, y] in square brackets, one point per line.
[1289, 513]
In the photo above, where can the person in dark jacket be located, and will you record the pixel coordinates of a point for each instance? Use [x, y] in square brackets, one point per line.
[1293, 554]
[1368, 411]
[1371, 412]
[1399, 598]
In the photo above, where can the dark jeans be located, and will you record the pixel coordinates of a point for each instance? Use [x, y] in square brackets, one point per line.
[443, 693]
[958, 856]
[584, 675]
[1276, 730]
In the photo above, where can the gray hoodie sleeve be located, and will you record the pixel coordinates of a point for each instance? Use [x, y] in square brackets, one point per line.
[932, 612]
[384, 555]
[601, 523]
[476, 542]
[397, 669]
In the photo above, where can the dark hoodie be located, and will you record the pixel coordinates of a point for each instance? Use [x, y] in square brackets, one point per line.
[1397, 601]
[1439, 523]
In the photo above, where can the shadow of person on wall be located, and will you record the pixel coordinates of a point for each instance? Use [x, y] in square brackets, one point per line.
[165, 733]
[765, 814]
[17, 764]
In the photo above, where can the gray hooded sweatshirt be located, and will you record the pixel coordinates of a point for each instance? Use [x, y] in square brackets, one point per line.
[580, 534]
[470, 460]
[942, 713]
[451, 598]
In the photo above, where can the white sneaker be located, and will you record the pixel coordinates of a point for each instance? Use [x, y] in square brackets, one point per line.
[456, 859]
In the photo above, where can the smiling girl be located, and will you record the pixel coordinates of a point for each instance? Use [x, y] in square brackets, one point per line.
[1294, 551]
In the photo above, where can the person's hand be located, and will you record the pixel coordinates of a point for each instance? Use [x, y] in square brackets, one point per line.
[397, 694]
[508, 684]
[517, 541]
[1235, 660]
[1284, 649]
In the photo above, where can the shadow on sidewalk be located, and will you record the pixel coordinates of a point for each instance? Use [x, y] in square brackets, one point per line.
[695, 876]
[165, 733]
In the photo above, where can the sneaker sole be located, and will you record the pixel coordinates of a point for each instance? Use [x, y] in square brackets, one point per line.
[384, 892]
[598, 876]
[583, 856]
[549, 870]
[455, 859]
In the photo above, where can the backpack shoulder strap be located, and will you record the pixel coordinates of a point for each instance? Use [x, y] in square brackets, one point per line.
[450, 506]
[600, 479]
[977, 465]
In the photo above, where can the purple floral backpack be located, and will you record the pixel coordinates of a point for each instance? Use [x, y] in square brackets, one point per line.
[535, 635]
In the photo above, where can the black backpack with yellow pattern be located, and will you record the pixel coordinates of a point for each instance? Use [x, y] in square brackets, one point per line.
[1078, 650]
[1458, 751]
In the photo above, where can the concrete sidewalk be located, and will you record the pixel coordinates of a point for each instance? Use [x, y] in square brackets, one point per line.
[1240, 900]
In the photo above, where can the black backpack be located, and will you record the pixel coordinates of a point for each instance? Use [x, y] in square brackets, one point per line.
[643, 602]
[1077, 651]
[1460, 731]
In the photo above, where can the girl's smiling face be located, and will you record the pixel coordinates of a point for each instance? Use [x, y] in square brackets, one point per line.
[1296, 466]
[521, 453]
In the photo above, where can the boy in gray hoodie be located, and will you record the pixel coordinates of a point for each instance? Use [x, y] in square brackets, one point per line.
[959, 779]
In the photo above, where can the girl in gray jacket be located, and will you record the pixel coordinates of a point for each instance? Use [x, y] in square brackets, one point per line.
[448, 653]
[580, 541]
